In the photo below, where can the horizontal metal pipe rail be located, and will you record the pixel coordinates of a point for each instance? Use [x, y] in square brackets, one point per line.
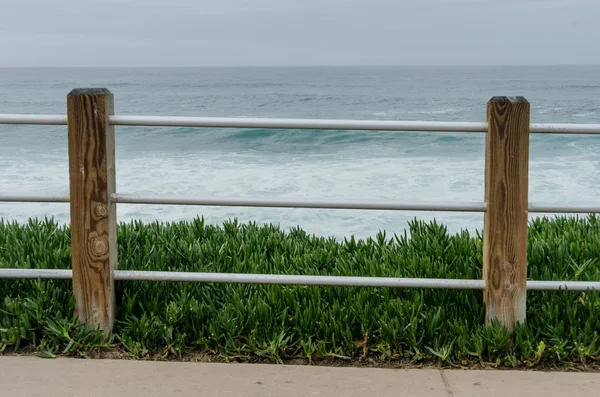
[33, 198]
[562, 209]
[33, 119]
[563, 128]
[327, 124]
[449, 206]
[288, 279]
[300, 203]
[322, 124]
[34, 274]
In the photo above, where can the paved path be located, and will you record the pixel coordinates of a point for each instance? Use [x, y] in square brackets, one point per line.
[31, 376]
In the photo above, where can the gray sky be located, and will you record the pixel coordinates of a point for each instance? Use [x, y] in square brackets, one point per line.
[298, 32]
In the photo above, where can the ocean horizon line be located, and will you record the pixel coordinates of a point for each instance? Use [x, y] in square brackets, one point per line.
[408, 66]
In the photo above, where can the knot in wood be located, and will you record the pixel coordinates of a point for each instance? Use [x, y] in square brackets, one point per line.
[101, 210]
[99, 246]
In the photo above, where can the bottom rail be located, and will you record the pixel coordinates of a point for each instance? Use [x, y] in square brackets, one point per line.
[285, 279]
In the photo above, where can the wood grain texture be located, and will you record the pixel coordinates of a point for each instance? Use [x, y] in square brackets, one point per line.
[93, 216]
[505, 222]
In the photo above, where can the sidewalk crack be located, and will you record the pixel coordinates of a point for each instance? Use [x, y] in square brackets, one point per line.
[446, 383]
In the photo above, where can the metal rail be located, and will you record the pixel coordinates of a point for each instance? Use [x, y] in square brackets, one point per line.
[299, 203]
[449, 206]
[32, 274]
[33, 198]
[375, 125]
[289, 279]
[535, 285]
[233, 122]
[563, 128]
[277, 279]
[562, 209]
[328, 124]
[33, 119]
[456, 206]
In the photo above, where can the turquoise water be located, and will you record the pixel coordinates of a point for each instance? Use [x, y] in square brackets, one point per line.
[299, 163]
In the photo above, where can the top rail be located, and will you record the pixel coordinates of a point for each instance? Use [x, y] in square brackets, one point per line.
[282, 123]
[563, 128]
[33, 119]
[232, 122]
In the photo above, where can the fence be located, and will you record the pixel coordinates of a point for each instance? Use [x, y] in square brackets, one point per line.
[93, 200]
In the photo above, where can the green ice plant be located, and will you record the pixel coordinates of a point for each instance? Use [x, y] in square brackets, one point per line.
[276, 323]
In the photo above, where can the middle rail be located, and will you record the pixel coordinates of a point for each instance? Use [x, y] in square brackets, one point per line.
[445, 206]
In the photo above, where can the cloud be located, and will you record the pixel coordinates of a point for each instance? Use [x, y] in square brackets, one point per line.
[462, 1]
[306, 32]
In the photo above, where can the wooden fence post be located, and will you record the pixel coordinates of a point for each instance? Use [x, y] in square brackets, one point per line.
[505, 224]
[93, 215]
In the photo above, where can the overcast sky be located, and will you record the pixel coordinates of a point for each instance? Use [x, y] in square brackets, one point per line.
[298, 32]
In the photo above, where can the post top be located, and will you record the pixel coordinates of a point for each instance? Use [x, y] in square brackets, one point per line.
[89, 91]
[507, 99]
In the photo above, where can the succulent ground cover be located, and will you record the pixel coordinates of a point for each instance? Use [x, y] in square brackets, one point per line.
[279, 323]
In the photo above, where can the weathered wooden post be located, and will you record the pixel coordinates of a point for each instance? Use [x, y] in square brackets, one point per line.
[93, 215]
[505, 224]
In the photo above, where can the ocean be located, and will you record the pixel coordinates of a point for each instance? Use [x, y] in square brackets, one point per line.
[303, 163]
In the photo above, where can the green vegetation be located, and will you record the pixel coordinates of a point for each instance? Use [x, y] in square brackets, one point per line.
[247, 322]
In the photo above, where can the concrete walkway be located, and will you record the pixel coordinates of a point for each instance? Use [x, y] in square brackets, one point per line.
[31, 376]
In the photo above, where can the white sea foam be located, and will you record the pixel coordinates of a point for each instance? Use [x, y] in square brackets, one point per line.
[319, 177]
